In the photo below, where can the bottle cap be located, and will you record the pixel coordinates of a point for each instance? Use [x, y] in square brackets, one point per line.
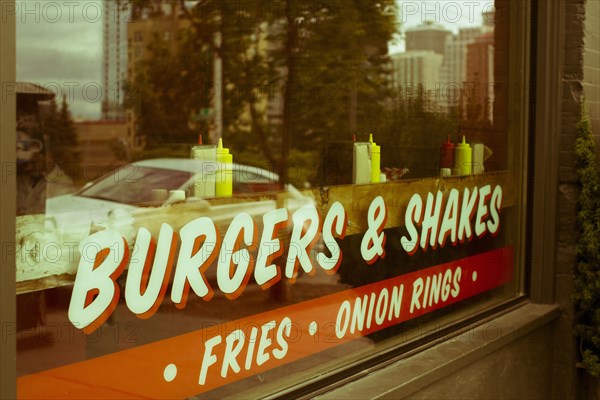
[448, 144]
[176, 195]
[464, 143]
[221, 149]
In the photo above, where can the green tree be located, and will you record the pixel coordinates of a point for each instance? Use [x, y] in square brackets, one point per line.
[413, 130]
[62, 139]
[587, 277]
[321, 66]
[169, 90]
[170, 95]
[333, 58]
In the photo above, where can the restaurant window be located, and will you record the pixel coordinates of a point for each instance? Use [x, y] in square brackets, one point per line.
[297, 189]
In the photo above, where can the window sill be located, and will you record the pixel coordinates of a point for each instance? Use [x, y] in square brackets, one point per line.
[428, 366]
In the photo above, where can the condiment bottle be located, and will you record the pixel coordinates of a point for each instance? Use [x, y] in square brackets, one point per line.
[361, 163]
[224, 184]
[447, 154]
[204, 181]
[462, 157]
[375, 160]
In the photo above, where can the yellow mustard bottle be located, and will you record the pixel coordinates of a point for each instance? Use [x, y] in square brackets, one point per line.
[224, 184]
[375, 160]
[463, 157]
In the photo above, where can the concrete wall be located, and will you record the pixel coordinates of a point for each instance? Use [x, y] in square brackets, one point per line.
[520, 370]
[506, 357]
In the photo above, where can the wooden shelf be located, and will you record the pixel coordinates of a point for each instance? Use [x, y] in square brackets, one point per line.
[357, 198]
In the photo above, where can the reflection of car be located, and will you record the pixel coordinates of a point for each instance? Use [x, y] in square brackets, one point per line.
[132, 187]
[126, 198]
[133, 184]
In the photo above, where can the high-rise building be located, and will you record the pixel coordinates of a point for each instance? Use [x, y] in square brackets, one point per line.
[114, 69]
[416, 67]
[422, 63]
[479, 90]
[428, 37]
[417, 73]
[454, 69]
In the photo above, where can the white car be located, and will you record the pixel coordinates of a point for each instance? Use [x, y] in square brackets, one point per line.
[132, 184]
[125, 198]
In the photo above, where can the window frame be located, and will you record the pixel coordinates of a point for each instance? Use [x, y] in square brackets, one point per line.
[535, 165]
[8, 128]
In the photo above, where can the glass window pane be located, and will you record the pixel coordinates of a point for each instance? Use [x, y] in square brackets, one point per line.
[219, 198]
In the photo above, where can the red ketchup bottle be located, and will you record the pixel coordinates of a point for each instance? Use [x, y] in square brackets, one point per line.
[447, 154]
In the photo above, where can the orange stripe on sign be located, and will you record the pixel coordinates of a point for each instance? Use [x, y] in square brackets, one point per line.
[173, 368]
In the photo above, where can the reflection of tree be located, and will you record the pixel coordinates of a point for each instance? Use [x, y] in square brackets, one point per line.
[341, 81]
[294, 74]
[169, 89]
[414, 127]
[62, 139]
[414, 130]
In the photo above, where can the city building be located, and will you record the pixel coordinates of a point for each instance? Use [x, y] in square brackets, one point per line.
[428, 36]
[455, 84]
[455, 55]
[115, 17]
[30, 98]
[103, 145]
[478, 98]
[417, 73]
[454, 67]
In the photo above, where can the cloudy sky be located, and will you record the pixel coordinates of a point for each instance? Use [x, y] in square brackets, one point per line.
[453, 14]
[59, 43]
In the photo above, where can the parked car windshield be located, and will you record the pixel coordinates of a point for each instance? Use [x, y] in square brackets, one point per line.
[134, 184]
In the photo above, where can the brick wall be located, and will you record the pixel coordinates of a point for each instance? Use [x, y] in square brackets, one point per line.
[591, 64]
[580, 77]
